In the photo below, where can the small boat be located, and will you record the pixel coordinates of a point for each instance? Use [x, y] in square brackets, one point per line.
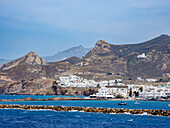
[169, 105]
[136, 102]
[122, 103]
[130, 120]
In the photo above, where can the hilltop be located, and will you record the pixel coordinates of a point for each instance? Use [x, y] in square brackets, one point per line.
[30, 58]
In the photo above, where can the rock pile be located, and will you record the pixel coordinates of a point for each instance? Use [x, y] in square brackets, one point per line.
[89, 109]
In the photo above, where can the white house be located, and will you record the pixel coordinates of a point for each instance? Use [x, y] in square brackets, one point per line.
[74, 78]
[151, 80]
[142, 55]
[103, 92]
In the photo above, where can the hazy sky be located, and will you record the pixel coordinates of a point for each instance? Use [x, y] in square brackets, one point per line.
[49, 26]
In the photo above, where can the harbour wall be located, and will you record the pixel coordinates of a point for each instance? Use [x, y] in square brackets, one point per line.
[89, 109]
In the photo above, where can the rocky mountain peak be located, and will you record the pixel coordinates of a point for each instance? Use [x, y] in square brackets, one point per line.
[32, 58]
[29, 58]
[101, 47]
[31, 53]
[102, 44]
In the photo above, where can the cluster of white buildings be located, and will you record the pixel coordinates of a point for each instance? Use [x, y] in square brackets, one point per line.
[144, 91]
[76, 81]
[156, 92]
[110, 82]
[115, 88]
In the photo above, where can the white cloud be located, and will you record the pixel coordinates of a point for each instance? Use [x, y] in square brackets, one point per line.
[100, 17]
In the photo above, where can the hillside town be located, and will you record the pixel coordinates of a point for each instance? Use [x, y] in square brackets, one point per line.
[117, 89]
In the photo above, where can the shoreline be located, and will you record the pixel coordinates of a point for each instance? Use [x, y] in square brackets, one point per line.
[89, 109]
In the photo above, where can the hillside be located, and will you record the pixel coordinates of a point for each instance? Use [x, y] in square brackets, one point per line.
[72, 60]
[123, 59]
[31, 66]
[147, 60]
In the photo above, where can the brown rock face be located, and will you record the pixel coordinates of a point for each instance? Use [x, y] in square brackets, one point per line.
[101, 47]
[42, 87]
[33, 87]
[30, 58]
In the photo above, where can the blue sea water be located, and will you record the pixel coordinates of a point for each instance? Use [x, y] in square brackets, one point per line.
[99, 103]
[17, 118]
[50, 119]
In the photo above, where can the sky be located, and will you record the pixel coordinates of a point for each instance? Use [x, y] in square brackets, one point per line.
[49, 26]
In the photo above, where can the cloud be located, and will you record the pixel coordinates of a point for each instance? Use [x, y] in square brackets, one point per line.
[90, 16]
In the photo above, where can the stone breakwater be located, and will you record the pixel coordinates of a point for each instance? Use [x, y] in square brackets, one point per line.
[89, 109]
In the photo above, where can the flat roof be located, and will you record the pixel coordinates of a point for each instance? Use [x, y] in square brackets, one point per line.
[116, 86]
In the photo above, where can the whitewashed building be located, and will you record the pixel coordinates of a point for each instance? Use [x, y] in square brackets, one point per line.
[153, 94]
[76, 81]
[111, 92]
[156, 92]
[151, 80]
[143, 55]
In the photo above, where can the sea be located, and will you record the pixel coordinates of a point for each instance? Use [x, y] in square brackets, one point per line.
[18, 118]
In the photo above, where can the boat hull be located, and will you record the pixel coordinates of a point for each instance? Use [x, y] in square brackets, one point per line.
[122, 103]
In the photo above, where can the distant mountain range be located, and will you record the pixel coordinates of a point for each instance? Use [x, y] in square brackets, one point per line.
[3, 61]
[147, 60]
[78, 51]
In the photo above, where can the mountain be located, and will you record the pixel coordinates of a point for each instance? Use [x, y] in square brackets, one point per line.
[30, 58]
[74, 51]
[103, 48]
[31, 66]
[3, 61]
[147, 60]
[127, 59]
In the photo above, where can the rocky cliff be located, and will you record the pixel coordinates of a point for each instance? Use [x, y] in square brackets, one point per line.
[42, 87]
